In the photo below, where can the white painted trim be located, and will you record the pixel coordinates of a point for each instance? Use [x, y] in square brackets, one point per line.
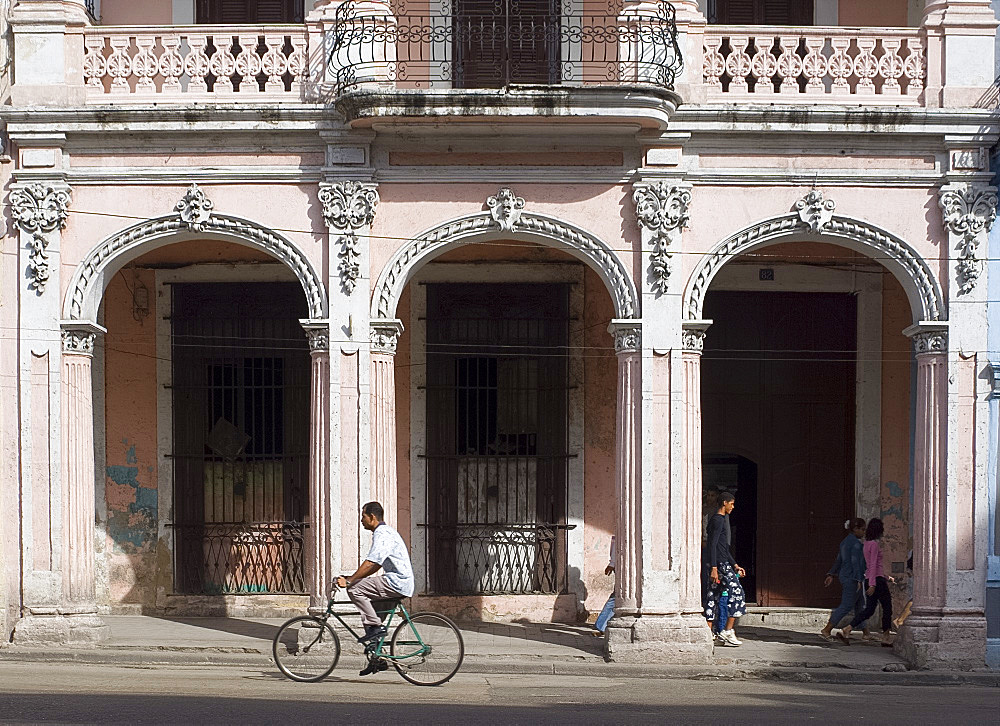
[868, 370]
[276, 272]
[505, 272]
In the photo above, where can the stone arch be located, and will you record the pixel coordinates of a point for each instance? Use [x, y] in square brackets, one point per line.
[92, 274]
[912, 271]
[529, 227]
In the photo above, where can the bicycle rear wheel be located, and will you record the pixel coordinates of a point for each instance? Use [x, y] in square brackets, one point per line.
[306, 649]
[427, 649]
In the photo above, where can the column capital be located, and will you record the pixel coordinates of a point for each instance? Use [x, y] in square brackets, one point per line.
[347, 207]
[78, 336]
[693, 335]
[928, 336]
[968, 211]
[385, 335]
[318, 334]
[628, 335]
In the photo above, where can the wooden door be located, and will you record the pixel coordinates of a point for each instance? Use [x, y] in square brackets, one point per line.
[778, 387]
[498, 42]
[762, 12]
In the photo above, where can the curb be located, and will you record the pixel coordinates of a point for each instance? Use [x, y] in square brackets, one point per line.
[253, 658]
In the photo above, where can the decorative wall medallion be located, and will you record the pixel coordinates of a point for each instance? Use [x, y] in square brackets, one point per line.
[39, 209]
[663, 210]
[194, 208]
[348, 206]
[969, 212]
[814, 211]
[935, 341]
[78, 341]
[385, 336]
[505, 208]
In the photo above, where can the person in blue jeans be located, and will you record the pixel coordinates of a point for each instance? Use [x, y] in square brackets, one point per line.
[849, 568]
[609, 607]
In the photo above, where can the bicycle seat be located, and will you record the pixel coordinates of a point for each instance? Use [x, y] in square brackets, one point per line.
[386, 606]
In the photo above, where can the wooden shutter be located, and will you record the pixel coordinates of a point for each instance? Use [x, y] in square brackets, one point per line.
[228, 12]
[764, 12]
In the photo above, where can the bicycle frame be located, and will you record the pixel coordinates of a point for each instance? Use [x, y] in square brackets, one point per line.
[388, 622]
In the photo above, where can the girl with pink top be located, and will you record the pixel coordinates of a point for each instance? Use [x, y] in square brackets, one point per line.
[878, 584]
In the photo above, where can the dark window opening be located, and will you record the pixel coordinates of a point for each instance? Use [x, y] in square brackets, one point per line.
[236, 12]
[760, 12]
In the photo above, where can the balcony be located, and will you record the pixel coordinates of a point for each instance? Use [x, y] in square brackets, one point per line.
[814, 65]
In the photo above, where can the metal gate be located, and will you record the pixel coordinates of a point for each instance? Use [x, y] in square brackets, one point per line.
[240, 437]
[496, 438]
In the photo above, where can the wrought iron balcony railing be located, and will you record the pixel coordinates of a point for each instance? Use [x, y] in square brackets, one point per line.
[495, 49]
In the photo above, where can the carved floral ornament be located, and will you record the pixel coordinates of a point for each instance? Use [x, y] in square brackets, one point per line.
[194, 208]
[931, 341]
[693, 340]
[318, 336]
[505, 208]
[969, 212]
[348, 206]
[39, 209]
[663, 210]
[79, 337]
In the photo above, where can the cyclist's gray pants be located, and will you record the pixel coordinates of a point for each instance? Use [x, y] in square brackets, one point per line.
[367, 589]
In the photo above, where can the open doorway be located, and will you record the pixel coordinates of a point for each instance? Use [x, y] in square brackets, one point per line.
[778, 386]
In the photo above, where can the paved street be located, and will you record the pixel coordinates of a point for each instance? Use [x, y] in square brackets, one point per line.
[75, 693]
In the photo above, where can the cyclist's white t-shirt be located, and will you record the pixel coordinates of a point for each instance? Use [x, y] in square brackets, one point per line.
[389, 550]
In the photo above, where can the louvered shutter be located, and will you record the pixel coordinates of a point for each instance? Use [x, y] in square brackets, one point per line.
[764, 12]
[498, 43]
[228, 12]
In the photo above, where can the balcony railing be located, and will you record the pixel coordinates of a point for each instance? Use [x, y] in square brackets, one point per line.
[240, 62]
[405, 51]
[877, 66]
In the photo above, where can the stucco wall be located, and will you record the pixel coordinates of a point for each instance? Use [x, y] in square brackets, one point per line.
[10, 576]
[130, 484]
[897, 435]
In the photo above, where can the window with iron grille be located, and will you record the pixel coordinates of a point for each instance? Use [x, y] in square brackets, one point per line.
[497, 449]
[240, 437]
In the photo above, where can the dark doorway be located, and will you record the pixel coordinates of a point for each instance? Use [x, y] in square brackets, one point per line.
[778, 386]
[499, 42]
[240, 437]
[230, 12]
[760, 12]
[496, 438]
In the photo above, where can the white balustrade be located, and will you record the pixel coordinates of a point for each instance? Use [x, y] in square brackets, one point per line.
[238, 63]
[815, 65]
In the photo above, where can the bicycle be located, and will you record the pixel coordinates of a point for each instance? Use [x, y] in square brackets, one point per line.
[426, 648]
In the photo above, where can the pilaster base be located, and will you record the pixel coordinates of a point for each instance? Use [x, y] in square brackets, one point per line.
[78, 629]
[683, 639]
[935, 641]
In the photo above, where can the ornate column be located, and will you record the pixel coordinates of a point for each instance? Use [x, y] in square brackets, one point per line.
[78, 464]
[384, 337]
[320, 535]
[628, 488]
[693, 342]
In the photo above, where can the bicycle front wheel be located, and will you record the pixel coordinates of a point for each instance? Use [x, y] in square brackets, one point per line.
[427, 649]
[306, 649]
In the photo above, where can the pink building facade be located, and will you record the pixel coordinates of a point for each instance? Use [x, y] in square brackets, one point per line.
[529, 293]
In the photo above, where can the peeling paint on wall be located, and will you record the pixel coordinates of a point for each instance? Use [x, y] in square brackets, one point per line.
[132, 508]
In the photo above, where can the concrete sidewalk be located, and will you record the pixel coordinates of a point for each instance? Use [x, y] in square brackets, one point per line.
[793, 653]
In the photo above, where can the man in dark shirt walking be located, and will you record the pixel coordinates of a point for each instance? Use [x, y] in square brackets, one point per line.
[725, 574]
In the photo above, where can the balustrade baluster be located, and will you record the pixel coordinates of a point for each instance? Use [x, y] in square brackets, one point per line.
[145, 64]
[789, 64]
[764, 66]
[223, 64]
[814, 65]
[841, 66]
[915, 67]
[866, 67]
[273, 63]
[196, 64]
[171, 65]
[715, 64]
[248, 63]
[738, 64]
[95, 67]
[120, 64]
[890, 66]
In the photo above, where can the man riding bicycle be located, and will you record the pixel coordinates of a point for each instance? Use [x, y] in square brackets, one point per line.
[388, 553]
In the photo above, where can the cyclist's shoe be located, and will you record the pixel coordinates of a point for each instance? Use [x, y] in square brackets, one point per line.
[373, 633]
[375, 665]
